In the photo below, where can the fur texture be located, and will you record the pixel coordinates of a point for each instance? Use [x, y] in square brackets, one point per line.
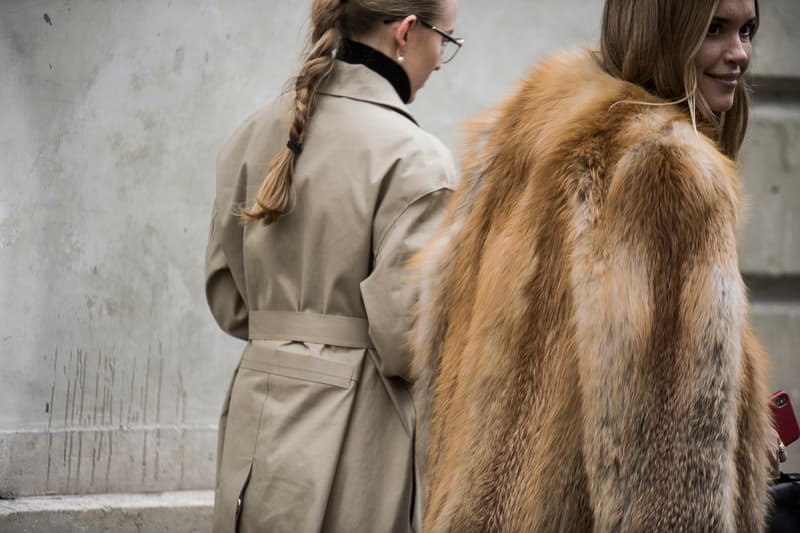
[581, 346]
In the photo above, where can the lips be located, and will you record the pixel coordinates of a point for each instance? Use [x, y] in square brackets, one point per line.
[728, 80]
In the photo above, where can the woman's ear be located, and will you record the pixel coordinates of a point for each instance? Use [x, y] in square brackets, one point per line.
[400, 32]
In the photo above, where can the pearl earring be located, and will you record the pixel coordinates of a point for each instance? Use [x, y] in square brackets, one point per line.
[400, 58]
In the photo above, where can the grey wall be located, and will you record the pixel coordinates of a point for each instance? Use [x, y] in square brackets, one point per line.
[113, 371]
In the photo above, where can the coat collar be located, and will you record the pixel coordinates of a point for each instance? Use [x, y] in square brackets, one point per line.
[357, 53]
[359, 82]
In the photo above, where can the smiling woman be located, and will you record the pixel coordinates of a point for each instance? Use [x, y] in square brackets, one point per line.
[726, 51]
[705, 37]
[584, 306]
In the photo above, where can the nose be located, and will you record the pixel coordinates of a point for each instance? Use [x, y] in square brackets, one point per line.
[738, 52]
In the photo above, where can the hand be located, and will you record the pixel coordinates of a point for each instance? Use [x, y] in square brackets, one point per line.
[777, 455]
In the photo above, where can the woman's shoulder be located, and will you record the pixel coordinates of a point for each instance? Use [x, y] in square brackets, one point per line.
[570, 98]
[662, 140]
[572, 119]
[388, 134]
[659, 162]
[428, 160]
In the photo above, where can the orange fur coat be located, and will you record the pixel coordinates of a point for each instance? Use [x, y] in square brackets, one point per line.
[582, 347]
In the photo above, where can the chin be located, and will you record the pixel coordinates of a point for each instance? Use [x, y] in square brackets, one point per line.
[721, 105]
[720, 102]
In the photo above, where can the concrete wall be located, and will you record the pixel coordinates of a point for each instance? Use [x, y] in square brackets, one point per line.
[111, 112]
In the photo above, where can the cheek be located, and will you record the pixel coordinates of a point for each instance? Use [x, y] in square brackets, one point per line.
[706, 57]
[435, 53]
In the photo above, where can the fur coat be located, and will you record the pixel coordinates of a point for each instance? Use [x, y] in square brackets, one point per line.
[582, 347]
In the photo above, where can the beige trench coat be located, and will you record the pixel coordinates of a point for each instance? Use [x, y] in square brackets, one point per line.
[316, 433]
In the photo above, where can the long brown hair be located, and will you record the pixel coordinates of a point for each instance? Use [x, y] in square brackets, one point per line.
[331, 22]
[654, 43]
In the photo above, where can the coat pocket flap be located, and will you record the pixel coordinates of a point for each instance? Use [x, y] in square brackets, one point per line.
[299, 366]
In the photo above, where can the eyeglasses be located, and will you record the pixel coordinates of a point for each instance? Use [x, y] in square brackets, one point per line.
[448, 52]
[450, 45]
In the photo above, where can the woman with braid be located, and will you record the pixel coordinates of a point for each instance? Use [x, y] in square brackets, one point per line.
[321, 198]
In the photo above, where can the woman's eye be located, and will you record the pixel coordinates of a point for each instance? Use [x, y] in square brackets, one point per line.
[747, 31]
[713, 29]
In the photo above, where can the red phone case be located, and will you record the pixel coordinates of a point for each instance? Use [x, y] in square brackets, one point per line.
[785, 419]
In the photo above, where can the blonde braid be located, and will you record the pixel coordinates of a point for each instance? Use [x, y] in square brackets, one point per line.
[274, 198]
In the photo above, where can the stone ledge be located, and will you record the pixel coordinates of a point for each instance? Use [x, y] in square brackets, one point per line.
[770, 166]
[777, 325]
[775, 43]
[184, 511]
[91, 460]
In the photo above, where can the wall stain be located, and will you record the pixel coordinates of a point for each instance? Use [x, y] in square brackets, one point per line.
[177, 63]
[180, 408]
[130, 400]
[94, 400]
[66, 408]
[144, 413]
[82, 372]
[96, 403]
[50, 421]
[111, 419]
[110, 455]
[104, 406]
[47, 19]
[94, 412]
[158, 406]
[70, 437]
[94, 460]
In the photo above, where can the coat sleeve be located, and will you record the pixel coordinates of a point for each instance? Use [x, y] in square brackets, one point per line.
[388, 291]
[224, 299]
[660, 315]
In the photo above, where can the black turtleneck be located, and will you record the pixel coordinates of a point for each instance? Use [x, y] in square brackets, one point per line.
[357, 53]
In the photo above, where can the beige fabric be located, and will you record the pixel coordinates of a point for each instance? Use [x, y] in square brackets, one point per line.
[310, 327]
[316, 436]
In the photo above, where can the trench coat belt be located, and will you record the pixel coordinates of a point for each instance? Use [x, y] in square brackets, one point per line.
[336, 330]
